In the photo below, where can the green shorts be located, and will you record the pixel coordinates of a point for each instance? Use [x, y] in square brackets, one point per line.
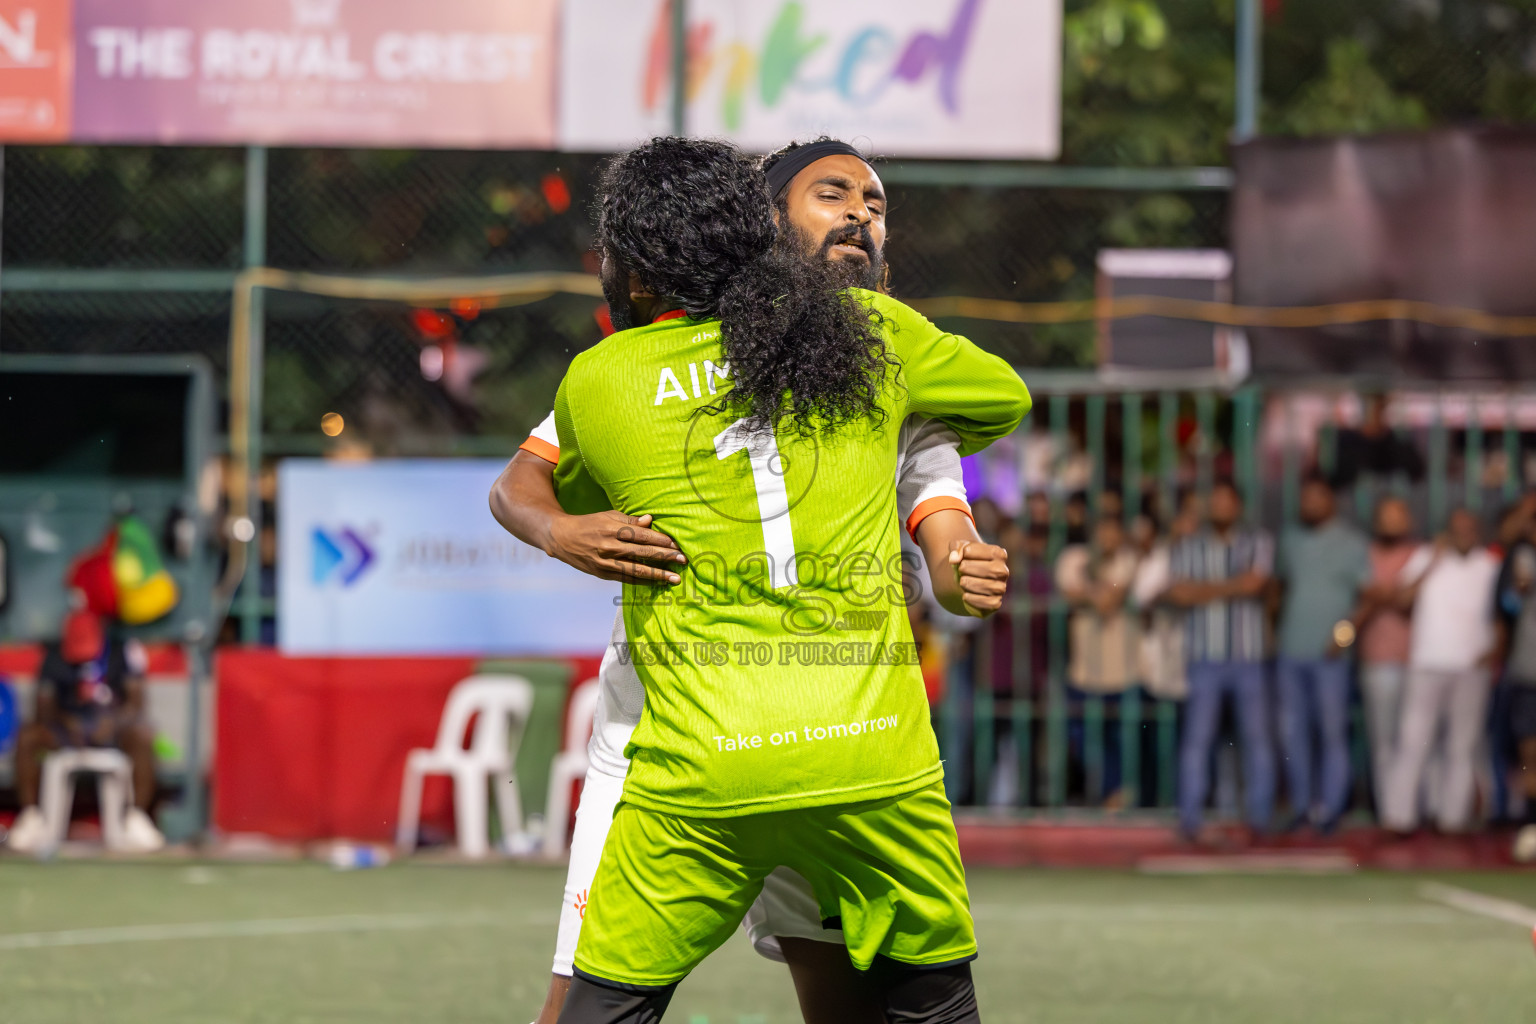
[670, 890]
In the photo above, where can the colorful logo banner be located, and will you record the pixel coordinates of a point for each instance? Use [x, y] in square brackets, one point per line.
[956, 78]
[470, 73]
[340, 555]
[935, 78]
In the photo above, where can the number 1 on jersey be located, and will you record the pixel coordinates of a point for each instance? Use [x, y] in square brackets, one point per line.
[762, 450]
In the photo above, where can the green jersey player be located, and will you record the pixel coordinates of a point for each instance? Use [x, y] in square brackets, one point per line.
[833, 199]
[784, 723]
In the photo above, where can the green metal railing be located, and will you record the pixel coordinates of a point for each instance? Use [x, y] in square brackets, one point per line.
[1012, 729]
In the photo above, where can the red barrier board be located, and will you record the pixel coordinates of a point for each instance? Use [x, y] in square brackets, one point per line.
[26, 659]
[310, 748]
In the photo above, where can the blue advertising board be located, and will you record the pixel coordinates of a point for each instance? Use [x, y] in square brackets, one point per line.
[401, 556]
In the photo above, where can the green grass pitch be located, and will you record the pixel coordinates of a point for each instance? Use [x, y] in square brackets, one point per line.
[167, 943]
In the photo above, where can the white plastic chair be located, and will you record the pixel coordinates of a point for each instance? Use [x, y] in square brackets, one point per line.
[503, 704]
[569, 765]
[114, 780]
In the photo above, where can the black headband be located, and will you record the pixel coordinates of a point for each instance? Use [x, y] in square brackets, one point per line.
[798, 159]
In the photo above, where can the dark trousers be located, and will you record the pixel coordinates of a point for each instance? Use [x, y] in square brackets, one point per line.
[912, 995]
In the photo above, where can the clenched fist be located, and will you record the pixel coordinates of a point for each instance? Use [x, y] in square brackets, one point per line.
[981, 571]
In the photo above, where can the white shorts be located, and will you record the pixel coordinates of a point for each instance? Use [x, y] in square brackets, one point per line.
[786, 906]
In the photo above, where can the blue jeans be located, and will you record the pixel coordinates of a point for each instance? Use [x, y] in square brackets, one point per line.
[1314, 695]
[1109, 741]
[1209, 682]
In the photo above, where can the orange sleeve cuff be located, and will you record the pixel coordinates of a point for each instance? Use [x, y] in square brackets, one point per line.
[939, 504]
[542, 448]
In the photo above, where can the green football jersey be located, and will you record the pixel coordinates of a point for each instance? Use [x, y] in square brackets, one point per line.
[781, 672]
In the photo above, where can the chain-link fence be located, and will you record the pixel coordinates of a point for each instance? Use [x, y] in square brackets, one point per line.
[1380, 65]
[1033, 245]
[429, 212]
[128, 322]
[1146, 84]
[123, 207]
[413, 382]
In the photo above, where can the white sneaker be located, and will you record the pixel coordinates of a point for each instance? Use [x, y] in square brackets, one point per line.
[140, 834]
[30, 831]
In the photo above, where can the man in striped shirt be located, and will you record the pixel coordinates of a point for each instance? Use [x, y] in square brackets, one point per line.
[1219, 575]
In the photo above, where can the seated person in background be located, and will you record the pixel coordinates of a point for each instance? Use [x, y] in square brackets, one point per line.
[90, 693]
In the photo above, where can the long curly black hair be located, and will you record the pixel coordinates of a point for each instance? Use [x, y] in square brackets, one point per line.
[692, 219]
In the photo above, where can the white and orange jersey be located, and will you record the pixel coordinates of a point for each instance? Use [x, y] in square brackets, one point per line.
[544, 441]
[928, 480]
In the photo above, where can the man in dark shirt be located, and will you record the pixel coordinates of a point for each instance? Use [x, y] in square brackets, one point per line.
[1375, 450]
[90, 693]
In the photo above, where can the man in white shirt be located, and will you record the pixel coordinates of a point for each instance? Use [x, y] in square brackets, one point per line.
[1449, 587]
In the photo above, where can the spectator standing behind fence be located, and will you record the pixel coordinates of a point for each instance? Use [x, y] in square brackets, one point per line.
[1382, 638]
[1104, 635]
[1218, 576]
[1322, 567]
[1450, 587]
[1517, 603]
[1162, 640]
[1376, 451]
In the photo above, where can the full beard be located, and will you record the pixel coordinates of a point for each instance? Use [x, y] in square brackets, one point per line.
[838, 373]
[851, 273]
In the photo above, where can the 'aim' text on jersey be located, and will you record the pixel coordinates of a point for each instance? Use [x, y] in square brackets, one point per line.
[670, 385]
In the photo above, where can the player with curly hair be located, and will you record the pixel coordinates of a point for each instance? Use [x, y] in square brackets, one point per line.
[831, 205]
[850, 360]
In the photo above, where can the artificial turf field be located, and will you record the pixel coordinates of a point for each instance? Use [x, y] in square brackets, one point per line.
[173, 942]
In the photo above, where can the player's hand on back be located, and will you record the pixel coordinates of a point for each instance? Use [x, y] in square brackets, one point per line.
[614, 546]
[982, 572]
